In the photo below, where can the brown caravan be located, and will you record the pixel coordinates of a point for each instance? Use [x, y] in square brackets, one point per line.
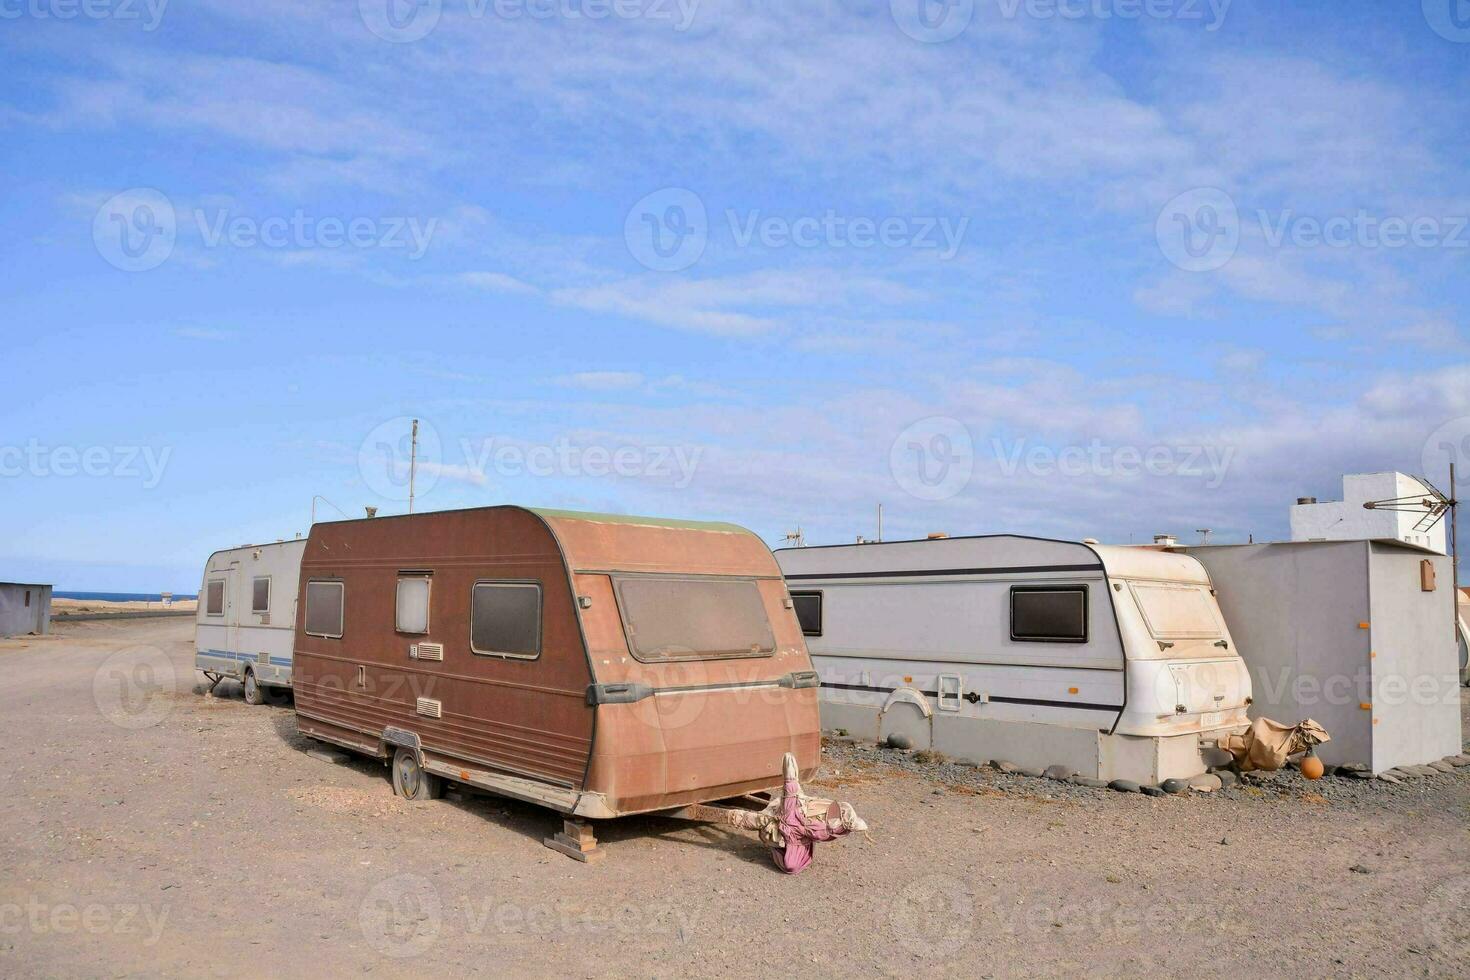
[598, 665]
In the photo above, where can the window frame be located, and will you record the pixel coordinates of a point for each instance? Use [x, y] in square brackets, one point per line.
[620, 577]
[540, 617]
[341, 603]
[809, 594]
[269, 588]
[428, 580]
[209, 584]
[1069, 588]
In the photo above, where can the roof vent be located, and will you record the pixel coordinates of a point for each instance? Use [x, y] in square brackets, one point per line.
[1090, 541]
[937, 535]
[1306, 500]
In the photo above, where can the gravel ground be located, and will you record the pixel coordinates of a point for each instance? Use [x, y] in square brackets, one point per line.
[149, 830]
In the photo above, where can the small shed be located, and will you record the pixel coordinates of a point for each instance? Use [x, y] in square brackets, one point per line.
[24, 609]
[1359, 635]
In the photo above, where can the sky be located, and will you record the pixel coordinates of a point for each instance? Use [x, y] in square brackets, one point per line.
[1074, 268]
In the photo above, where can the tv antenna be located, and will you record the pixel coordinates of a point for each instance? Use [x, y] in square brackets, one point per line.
[1433, 506]
[795, 539]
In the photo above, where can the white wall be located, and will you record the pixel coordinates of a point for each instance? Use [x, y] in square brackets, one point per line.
[1349, 520]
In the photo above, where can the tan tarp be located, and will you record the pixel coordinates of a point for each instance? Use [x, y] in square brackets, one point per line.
[1267, 744]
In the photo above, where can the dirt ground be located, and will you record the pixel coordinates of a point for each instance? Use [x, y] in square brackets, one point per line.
[148, 830]
[62, 607]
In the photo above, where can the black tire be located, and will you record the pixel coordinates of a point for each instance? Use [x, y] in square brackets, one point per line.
[253, 692]
[411, 782]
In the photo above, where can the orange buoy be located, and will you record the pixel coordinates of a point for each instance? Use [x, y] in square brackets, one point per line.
[1312, 767]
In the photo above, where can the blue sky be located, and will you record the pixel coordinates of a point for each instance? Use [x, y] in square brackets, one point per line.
[1089, 269]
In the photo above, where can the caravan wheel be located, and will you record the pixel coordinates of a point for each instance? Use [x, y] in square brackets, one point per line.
[252, 689]
[410, 781]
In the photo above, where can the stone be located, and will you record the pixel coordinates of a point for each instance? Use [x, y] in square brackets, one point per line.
[1389, 777]
[1403, 773]
[1059, 773]
[1458, 760]
[1423, 771]
[1361, 869]
[1360, 773]
[1174, 785]
[1124, 786]
[1089, 782]
[969, 763]
[1031, 771]
[1152, 791]
[1205, 783]
[327, 755]
[900, 741]
[1441, 765]
[1226, 777]
[1010, 768]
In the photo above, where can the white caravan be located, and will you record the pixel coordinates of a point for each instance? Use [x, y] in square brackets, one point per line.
[1113, 661]
[246, 624]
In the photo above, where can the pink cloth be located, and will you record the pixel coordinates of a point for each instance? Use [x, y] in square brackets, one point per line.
[801, 832]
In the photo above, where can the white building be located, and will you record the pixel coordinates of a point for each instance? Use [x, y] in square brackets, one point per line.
[1348, 520]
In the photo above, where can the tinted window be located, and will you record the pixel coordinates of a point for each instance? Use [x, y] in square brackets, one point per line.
[808, 612]
[324, 608]
[668, 618]
[260, 599]
[412, 614]
[1056, 614]
[505, 619]
[214, 599]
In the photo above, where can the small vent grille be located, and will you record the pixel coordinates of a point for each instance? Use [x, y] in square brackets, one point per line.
[263, 659]
[430, 708]
[430, 651]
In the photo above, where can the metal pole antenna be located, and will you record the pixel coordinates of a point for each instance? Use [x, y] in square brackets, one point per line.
[413, 461]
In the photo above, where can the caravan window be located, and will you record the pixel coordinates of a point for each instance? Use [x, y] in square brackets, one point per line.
[1177, 611]
[505, 619]
[671, 618]
[324, 601]
[412, 608]
[1049, 613]
[214, 598]
[808, 607]
[260, 598]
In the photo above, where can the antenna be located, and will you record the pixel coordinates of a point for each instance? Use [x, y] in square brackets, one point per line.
[880, 523]
[795, 538]
[413, 461]
[1434, 506]
[1204, 534]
